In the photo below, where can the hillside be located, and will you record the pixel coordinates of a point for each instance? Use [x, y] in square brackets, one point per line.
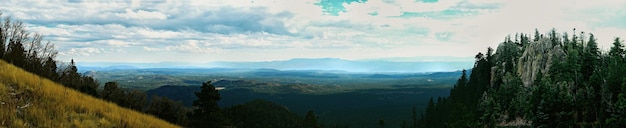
[550, 81]
[27, 100]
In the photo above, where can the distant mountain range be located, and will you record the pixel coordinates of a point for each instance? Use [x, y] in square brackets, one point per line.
[324, 64]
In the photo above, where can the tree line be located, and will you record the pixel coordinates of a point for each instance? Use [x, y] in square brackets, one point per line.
[553, 80]
[27, 51]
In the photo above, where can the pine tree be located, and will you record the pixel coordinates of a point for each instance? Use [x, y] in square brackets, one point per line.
[135, 100]
[113, 93]
[591, 56]
[70, 76]
[310, 120]
[167, 109]
[15, 54]
[537, 37]
[50, 69]
[207, 112]
[616, 69]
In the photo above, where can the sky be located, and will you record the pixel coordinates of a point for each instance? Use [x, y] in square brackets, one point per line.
[197, 31]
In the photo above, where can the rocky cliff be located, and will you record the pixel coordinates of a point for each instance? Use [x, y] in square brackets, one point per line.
[538, 57]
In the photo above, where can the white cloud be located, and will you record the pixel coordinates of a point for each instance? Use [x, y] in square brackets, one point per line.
[152, 49]
[191, 46]
[82, 51]
[117, 43]
[142, 14]
[279, 29]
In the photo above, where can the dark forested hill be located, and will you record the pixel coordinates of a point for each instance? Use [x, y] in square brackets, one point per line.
[551, 80]
[357, 108]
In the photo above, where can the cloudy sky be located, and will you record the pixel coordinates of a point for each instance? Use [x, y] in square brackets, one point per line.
[265, 30]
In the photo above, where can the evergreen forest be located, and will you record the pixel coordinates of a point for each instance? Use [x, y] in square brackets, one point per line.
[547, 80]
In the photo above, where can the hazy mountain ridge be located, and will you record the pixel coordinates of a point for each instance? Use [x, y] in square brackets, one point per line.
[145, 79]
[325, 64]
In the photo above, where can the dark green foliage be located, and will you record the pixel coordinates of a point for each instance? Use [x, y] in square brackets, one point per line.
[555, 107]
[71, 78]
[262, 114]
[15, 53]
[414, 122]
[162, 108]
[134, 99]
[504, 98]
[582, 88]
[616, 118]
[615, 68]
[50, 68]
[112, 92]
[206, 113]
[169, 110]
[591, 57]
[554, 38]
[507, 56]
[537, 36]
[404, 125]
[461, 108]
[310, 120]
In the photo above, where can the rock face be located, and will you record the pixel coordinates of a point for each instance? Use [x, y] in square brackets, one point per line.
[538, 56]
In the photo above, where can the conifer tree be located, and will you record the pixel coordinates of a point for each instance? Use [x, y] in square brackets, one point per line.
[310, 120]
[167, 109]
[112, 92]
[15, 54]
[591, 56]
[616, 70]
[537, 37]
[207, 112]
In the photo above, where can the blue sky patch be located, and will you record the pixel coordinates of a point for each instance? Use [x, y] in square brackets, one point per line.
[334, 7]
[446, 14]
[430, 1]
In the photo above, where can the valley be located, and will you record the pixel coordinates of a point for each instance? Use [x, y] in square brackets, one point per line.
[338, 98]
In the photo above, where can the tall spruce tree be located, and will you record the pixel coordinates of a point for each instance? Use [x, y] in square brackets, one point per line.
[206, 113]
[310, 120]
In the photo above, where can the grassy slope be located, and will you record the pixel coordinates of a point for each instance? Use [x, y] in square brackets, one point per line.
[27, 100]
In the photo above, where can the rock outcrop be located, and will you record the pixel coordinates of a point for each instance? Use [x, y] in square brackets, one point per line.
[538, 57]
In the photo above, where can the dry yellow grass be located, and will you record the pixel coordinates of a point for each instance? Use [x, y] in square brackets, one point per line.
[27, 100]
